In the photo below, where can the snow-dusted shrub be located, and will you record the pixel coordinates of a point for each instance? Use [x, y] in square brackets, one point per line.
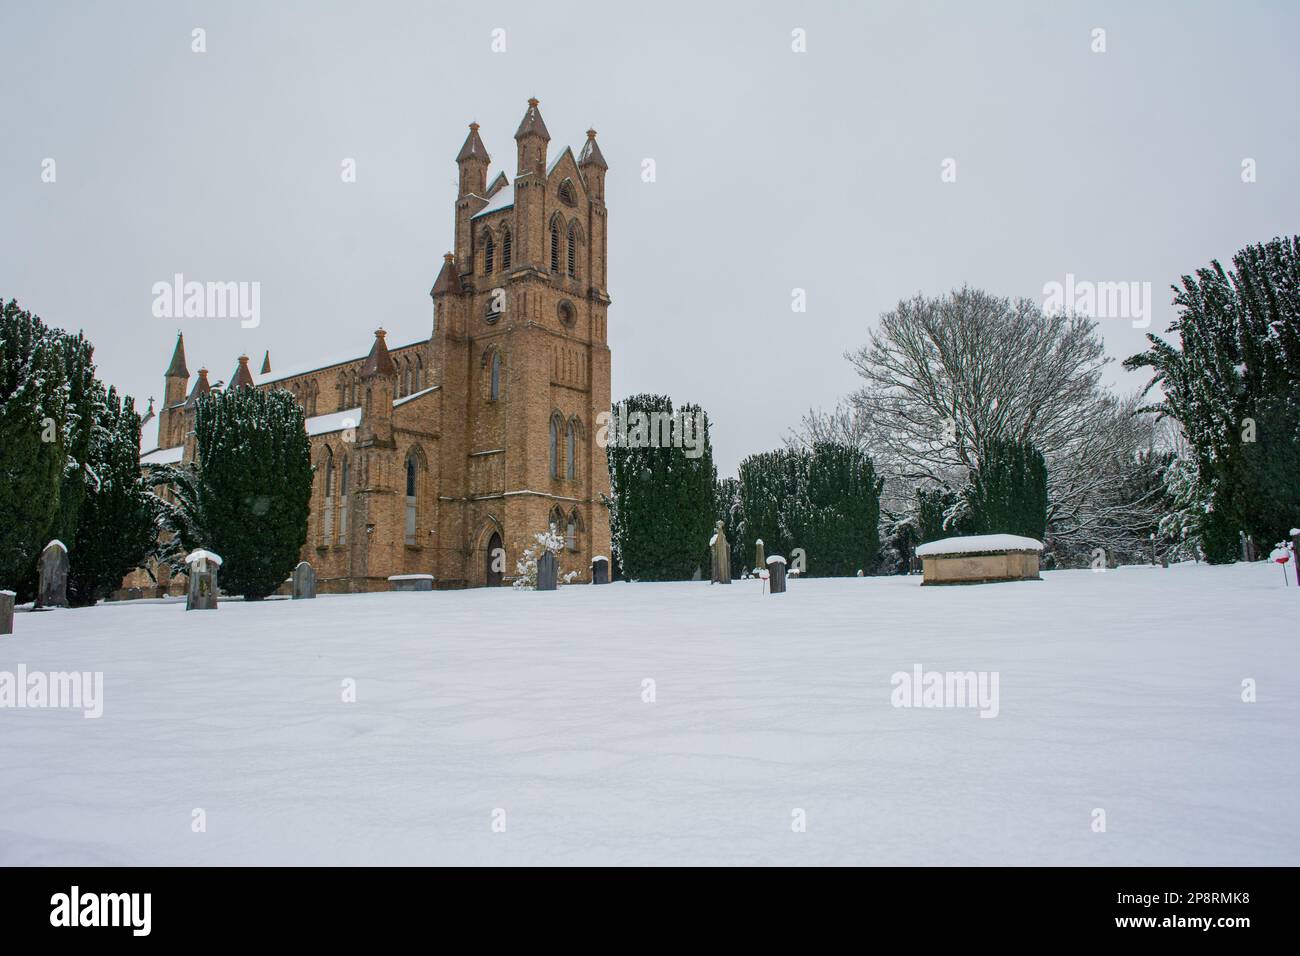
[526, 567]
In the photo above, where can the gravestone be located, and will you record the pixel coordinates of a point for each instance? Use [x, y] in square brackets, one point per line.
[53, 589]
[546, 572]
[758, 554]
[600, 570]
[697, 575]
[304, 582]
[776, 574]
[7, 612]
[202, 592]
[720, 555]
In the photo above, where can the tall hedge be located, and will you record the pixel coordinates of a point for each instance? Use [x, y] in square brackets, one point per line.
[1007, 493]
[663, 510]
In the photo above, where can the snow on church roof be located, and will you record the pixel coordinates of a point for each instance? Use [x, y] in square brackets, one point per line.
[504, 199]
[334, 421]
[163, 456]
[979, 543]
[414, 395]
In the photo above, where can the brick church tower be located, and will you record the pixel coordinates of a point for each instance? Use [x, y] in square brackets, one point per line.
[442, 458]
[519, 336]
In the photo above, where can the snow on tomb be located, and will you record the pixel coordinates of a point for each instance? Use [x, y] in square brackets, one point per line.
[411, 582]
[7, 612]
[546, 572]
[980, 559]
[202, 592]
[304, 582]
[53, 588]
[776, 574]
[600, 569]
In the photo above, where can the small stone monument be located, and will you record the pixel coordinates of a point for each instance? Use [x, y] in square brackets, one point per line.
[53, 588]
[546, 572]
[7, 612]
[758, 554]
[776, 574]
[202, 593]
[304, 581]
[720, 565]
[600, 569]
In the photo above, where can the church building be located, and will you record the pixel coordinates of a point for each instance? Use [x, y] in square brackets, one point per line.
[445, 456]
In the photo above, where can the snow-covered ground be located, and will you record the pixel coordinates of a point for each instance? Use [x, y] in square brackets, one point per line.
[1119, 690]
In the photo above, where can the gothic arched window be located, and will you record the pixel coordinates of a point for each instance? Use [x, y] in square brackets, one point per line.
[566, 193]
[555, 245]
[412, 484]
[573, 250]
[505, 248]
[495, 391]
[489, 253]
[555, 447]
[571, 450]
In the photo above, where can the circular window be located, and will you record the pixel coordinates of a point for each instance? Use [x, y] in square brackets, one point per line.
[567, 313]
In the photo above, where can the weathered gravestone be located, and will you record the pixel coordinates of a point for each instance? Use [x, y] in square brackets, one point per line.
[304, 581]
[546, 572]
[759, 563]
[202, 593]
[600, 570]
[7, 612]
[720, 558]
[53, 588]
[776, 574]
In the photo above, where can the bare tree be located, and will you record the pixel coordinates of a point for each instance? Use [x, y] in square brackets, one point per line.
[943, 375]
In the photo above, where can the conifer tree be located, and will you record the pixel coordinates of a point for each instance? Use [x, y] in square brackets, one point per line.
[117, 521]
[248, 495]
[1007, 493]
[663, 510]
[33, 440]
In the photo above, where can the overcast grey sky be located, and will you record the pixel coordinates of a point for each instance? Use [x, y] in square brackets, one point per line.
[775, 170]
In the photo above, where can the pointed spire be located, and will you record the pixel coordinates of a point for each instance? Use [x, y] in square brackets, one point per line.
[378, 362]
[201, 387]
[473, 148]
[177, 369]
[591, 155]
[448, 280]
[242, 375]
[266, 363]
[531, 124]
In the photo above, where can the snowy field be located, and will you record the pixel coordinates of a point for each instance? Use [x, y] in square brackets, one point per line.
[1119, 690]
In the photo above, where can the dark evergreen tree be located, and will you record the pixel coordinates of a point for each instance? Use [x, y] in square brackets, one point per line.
[33, 441]
[726, 505]
[825, 500]
[663, 512]
[1234, 386]
[117, 523]
[770, 486]
[248, 494]
[85, 396]
[843, 504]
[1007, 493]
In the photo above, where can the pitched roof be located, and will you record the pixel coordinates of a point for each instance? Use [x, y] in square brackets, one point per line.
[448, 280]
[378, 362]
[201, 387]
[177, 369]
[531, 124]
[266, 363]
[242, 375]
[591, 155]
[473, 148]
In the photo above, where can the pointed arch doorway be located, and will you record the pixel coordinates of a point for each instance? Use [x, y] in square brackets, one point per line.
[496, 561]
